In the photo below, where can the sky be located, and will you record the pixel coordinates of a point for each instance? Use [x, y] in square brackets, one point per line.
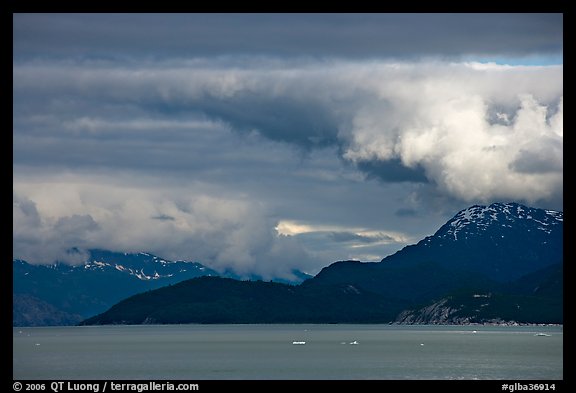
[263, 143]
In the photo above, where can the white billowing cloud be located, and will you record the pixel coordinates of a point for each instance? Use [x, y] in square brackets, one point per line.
[466, 155]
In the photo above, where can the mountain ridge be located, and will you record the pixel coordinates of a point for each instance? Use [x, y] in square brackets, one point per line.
[225, 300]
[494, 249]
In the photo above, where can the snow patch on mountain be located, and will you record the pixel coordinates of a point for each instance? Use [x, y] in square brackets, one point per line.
[161, 268]
[479, 218]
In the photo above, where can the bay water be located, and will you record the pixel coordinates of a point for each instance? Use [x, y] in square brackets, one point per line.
[288, 352]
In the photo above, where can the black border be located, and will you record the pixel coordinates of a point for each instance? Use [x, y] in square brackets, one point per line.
[9, 7]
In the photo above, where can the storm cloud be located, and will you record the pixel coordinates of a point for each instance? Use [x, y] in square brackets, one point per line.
[397, 121]
[192, 139]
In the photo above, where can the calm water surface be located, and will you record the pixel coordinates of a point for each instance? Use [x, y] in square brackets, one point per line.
[195, 352]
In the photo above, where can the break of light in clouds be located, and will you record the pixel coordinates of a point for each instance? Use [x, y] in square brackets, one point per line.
[264, 158]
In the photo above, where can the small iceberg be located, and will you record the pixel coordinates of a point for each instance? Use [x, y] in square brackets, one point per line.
[298, 342]
[354, 343]
[542, 335]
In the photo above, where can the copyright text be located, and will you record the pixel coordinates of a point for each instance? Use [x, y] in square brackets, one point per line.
[103, 386]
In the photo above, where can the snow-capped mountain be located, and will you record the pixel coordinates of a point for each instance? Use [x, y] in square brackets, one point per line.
[76, 292]
[500, 218]
[502, 241]
[143, 266]
[481, 244]
[62, 293]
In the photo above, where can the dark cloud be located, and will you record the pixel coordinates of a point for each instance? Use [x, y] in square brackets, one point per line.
[76, 224]
[405, 212]
[392, 171]
[305, 123]
[163, 217]
[102, 36]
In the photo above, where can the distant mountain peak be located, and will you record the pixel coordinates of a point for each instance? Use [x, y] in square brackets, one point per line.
[142, 265]
[502, 241]
[478, 219]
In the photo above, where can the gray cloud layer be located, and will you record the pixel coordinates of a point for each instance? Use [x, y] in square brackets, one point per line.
[478, 132]
[316, 35]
